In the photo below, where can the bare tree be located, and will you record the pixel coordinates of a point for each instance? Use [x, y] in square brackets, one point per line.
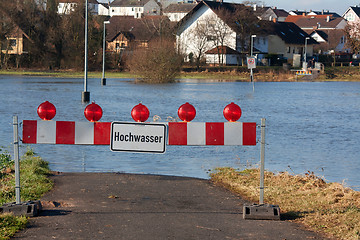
[5, 30]
[200, 36]
[220, 32]
[352, 32]
[246, 24]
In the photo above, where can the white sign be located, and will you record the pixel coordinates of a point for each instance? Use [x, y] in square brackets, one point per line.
[138, 137]
[251, 62]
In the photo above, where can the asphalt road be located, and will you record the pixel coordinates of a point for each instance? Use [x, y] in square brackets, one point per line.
[127, 206]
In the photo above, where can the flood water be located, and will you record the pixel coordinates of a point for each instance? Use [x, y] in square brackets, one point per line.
[310, 126]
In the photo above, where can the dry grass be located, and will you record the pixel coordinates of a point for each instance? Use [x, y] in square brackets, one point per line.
[329, 208]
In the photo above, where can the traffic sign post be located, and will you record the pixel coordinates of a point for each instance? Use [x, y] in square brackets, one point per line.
[138, 137]
[251, 62]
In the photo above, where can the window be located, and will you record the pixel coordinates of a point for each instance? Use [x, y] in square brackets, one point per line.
[12, 43]
[288, 49]
[350, 17]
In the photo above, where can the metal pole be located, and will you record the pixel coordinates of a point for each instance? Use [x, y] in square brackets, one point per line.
[252, 42]
[251, 55]
[262, 161]
[103, 79]
[85, 97]
[305, 63]
[16, 156]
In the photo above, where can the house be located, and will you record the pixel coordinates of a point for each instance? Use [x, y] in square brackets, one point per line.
[352, 14]
[121, 41]
[229, 56]
[135, 8]
[259, 10]
[16, 42]
[125, 33]
[288, 40]
[324, 27]
[68, 6]
[195, 37]
[175, 12]
[104, 9]
[312, 22]
[274, 13]
[13, 39]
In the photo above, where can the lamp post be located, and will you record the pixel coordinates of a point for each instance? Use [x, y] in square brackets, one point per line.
[103, 79]
[251, 55]
[305, 65]
[85, 96]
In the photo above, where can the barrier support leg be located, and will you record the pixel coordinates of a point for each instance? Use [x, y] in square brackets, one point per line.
[16, 156]
[261, 211]
[262, 161]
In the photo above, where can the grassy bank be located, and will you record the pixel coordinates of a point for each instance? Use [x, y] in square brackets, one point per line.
[34, 183]
[328, 208]
[261, 74]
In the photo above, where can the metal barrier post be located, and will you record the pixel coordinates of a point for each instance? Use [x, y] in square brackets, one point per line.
[16, 156]
[262, 161]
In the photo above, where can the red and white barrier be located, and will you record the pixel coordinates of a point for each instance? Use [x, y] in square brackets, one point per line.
[179, 133]
[212, 133]
[66, 132]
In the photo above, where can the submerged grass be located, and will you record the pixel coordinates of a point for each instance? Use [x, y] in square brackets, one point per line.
[34, 183]
[328, 208]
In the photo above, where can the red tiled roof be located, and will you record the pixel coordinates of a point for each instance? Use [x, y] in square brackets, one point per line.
[222, 50]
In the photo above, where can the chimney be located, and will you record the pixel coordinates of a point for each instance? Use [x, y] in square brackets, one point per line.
[327, 18]
[254, 7]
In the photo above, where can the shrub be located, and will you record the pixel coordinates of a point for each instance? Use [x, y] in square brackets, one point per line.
[159, 63]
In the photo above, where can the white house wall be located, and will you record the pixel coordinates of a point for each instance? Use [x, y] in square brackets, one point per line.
[67, 8]
[103, 10]
[175, 17]
[261, 43]
[229, 59]
[126, 11]
[185, 36]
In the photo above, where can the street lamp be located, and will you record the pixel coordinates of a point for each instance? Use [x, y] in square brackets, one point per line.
[103, 79]
[85, 96]
[252, 44]
[306, 40]
[251, 55]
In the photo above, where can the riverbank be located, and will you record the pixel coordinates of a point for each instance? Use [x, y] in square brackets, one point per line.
[328, 208]
[34, 183]
[261, 74]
